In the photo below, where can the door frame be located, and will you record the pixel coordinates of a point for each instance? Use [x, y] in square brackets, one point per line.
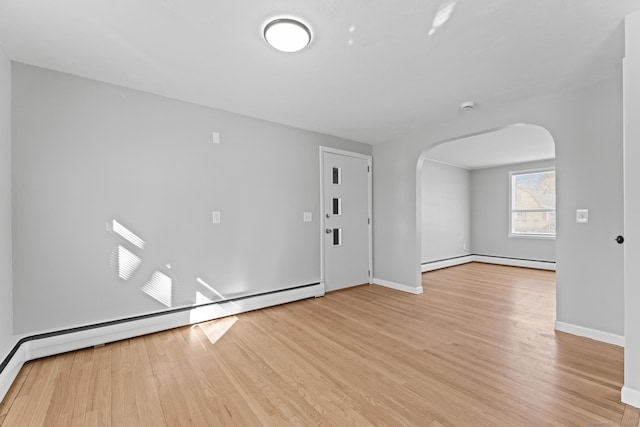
[368, 158]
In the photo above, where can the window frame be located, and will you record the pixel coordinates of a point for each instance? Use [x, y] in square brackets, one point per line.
[511, 210]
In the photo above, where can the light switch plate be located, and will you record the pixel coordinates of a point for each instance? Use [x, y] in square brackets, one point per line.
[307, 217]
[216, 217]
[216, 138]
[582, 216]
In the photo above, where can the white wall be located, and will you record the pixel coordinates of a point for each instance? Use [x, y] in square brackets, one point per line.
[490, 216]
[6, 280]
[86, 153]
[586, 125]
[445, 211]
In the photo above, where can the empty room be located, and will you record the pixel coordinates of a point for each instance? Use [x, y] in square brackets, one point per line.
[319, 213]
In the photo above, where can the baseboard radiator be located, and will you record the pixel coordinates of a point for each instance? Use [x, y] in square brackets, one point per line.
[488, 259]
[75, 338]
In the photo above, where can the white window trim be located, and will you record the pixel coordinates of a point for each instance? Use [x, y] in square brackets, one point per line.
[512, 235]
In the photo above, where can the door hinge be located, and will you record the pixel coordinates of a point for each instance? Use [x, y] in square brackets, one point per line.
[368, 169]
[368, 220]
[369, 273]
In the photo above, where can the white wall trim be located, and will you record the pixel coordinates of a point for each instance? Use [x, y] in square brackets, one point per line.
[57, 344]
[10, 372]
[397, 286]
[436, 265]
[324, 149]
[630, 396]
[513, 262]
[540, 265]
[594, 334]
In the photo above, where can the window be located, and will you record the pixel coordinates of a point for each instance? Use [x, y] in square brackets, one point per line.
[336, 175]
[533, 203]
[337, 206]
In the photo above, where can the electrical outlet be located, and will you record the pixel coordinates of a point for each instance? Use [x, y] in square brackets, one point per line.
[464, 246]
[582, 216]
[216, 217]
[216, 138]
[307, 217]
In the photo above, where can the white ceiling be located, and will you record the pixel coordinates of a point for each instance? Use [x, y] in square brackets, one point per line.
[510, 145]
[374, 70]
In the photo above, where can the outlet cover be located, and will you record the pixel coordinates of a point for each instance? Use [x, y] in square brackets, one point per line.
[216, 137]
[582, 216]
[216, 217]
[307, 217]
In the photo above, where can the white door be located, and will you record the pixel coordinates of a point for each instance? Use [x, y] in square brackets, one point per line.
[631, 101]
[346, 219]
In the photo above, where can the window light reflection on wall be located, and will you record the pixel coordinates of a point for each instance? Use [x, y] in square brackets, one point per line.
[127, 234]
[128, 262]
[160, 288]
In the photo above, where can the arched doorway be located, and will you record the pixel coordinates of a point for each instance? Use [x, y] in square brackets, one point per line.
[488, 197]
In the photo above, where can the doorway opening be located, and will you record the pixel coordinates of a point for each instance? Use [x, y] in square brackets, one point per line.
[488, 197]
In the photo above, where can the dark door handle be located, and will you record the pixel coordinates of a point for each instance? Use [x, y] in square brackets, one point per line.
[620, 240]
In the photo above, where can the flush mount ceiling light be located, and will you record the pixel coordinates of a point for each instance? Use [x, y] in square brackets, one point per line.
[287, 34]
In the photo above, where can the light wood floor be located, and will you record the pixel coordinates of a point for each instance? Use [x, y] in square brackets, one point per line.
[477, 348]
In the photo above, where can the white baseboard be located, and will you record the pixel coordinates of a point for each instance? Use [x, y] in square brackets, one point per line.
[540, 265]
[630, 396]
[436, 265]
[10, 371]
[57, 344]
[397, 286]
[594, 334]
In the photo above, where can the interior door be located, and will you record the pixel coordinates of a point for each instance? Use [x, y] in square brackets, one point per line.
[346, 221]
[631, 238]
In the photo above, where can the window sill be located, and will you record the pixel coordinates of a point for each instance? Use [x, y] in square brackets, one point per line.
[531, 236]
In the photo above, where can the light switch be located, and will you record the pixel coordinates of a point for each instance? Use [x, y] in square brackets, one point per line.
[216, 138]
[307, 217]
[582, 216]
[216, 217]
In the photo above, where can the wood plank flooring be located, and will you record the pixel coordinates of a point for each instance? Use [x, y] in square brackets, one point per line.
[476, 349]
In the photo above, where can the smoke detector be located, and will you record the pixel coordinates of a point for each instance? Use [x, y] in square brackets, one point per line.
[467, 106]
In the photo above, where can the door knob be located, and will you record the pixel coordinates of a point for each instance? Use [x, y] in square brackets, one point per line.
[620, 240]
[328, 216]
[328, 231]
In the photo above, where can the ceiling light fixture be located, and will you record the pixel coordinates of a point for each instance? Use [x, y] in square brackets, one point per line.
[287, 34]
